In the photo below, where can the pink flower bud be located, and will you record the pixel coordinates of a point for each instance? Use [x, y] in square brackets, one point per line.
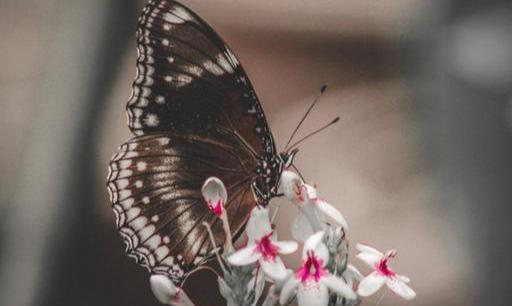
[215, 194]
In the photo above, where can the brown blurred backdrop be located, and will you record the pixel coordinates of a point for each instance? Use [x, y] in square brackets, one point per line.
[420, 160]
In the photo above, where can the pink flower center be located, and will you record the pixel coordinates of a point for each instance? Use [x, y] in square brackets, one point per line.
[267, 248]
[311, 269]
[216, 208]
[383, 268]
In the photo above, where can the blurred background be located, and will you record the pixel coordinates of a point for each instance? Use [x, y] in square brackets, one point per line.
[420, 160]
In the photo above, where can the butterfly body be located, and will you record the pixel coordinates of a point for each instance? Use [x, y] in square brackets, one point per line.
[194, 114]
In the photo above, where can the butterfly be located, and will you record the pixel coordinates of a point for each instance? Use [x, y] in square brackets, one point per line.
[194, 114]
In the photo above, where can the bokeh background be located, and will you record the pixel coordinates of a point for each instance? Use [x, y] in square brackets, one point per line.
[420, 160]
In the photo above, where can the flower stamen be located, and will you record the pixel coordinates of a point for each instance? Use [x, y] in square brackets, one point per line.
[311, 268]
[267, 249]
[216, 208]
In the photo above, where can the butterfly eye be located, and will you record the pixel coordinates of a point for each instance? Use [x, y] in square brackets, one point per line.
[288, 157]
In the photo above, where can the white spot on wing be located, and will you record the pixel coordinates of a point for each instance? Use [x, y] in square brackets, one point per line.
[151, 120]
[137, 112]
[125, 173]
[132, 146]
[133, 212]
[160, 99]
[127, 203]
[131, 154]
[161, 252]
[181, 13]
[146, 232]
[164, 140]
[224, 63]
[154, 242]
[172, 19]
[139, 223]
[213, 68]
[232, 58]
[192, 69]
[169, 261]
[183, 80]
[141, 166]
[122, 184]
[125, 194]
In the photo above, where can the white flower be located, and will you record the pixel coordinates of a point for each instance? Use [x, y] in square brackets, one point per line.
[382, 274]
[352, 275]
[167, 293]
[312, 283]
[215, 195]
[262, 247]
[314, 211]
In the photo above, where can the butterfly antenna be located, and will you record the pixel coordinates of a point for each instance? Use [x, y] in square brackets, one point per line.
[322, 90]
[315, 132]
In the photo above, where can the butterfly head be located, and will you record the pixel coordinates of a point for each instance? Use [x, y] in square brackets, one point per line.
[288, 156]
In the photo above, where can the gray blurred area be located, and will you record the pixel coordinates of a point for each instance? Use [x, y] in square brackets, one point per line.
[420, 160]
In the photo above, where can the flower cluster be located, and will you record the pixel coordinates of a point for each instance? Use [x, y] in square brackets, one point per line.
[324, 276]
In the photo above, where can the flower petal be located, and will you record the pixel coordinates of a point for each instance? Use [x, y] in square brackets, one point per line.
[313, 215]
[310, 192]
[245, 256]
[371, 283]
[369, 255]
[288, 290]
[351, 275]
[274, 269]
[258, 224]
[331, 212]
[279, 283]
[400, 287]
[163, 288]
[312, 294]
[368, 249]
[403, 278]
[369, 258]
[214, 193]
[337, 285]
[286, 247]
[301, 228]
[181, 299]
[290, 182]
[314, 243]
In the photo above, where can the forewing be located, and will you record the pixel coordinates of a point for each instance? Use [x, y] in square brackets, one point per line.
[188, 80]
[155, 189]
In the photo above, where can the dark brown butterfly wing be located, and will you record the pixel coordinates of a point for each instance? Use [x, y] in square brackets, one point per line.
[188, 80]
[195, 115]
[155, 187]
